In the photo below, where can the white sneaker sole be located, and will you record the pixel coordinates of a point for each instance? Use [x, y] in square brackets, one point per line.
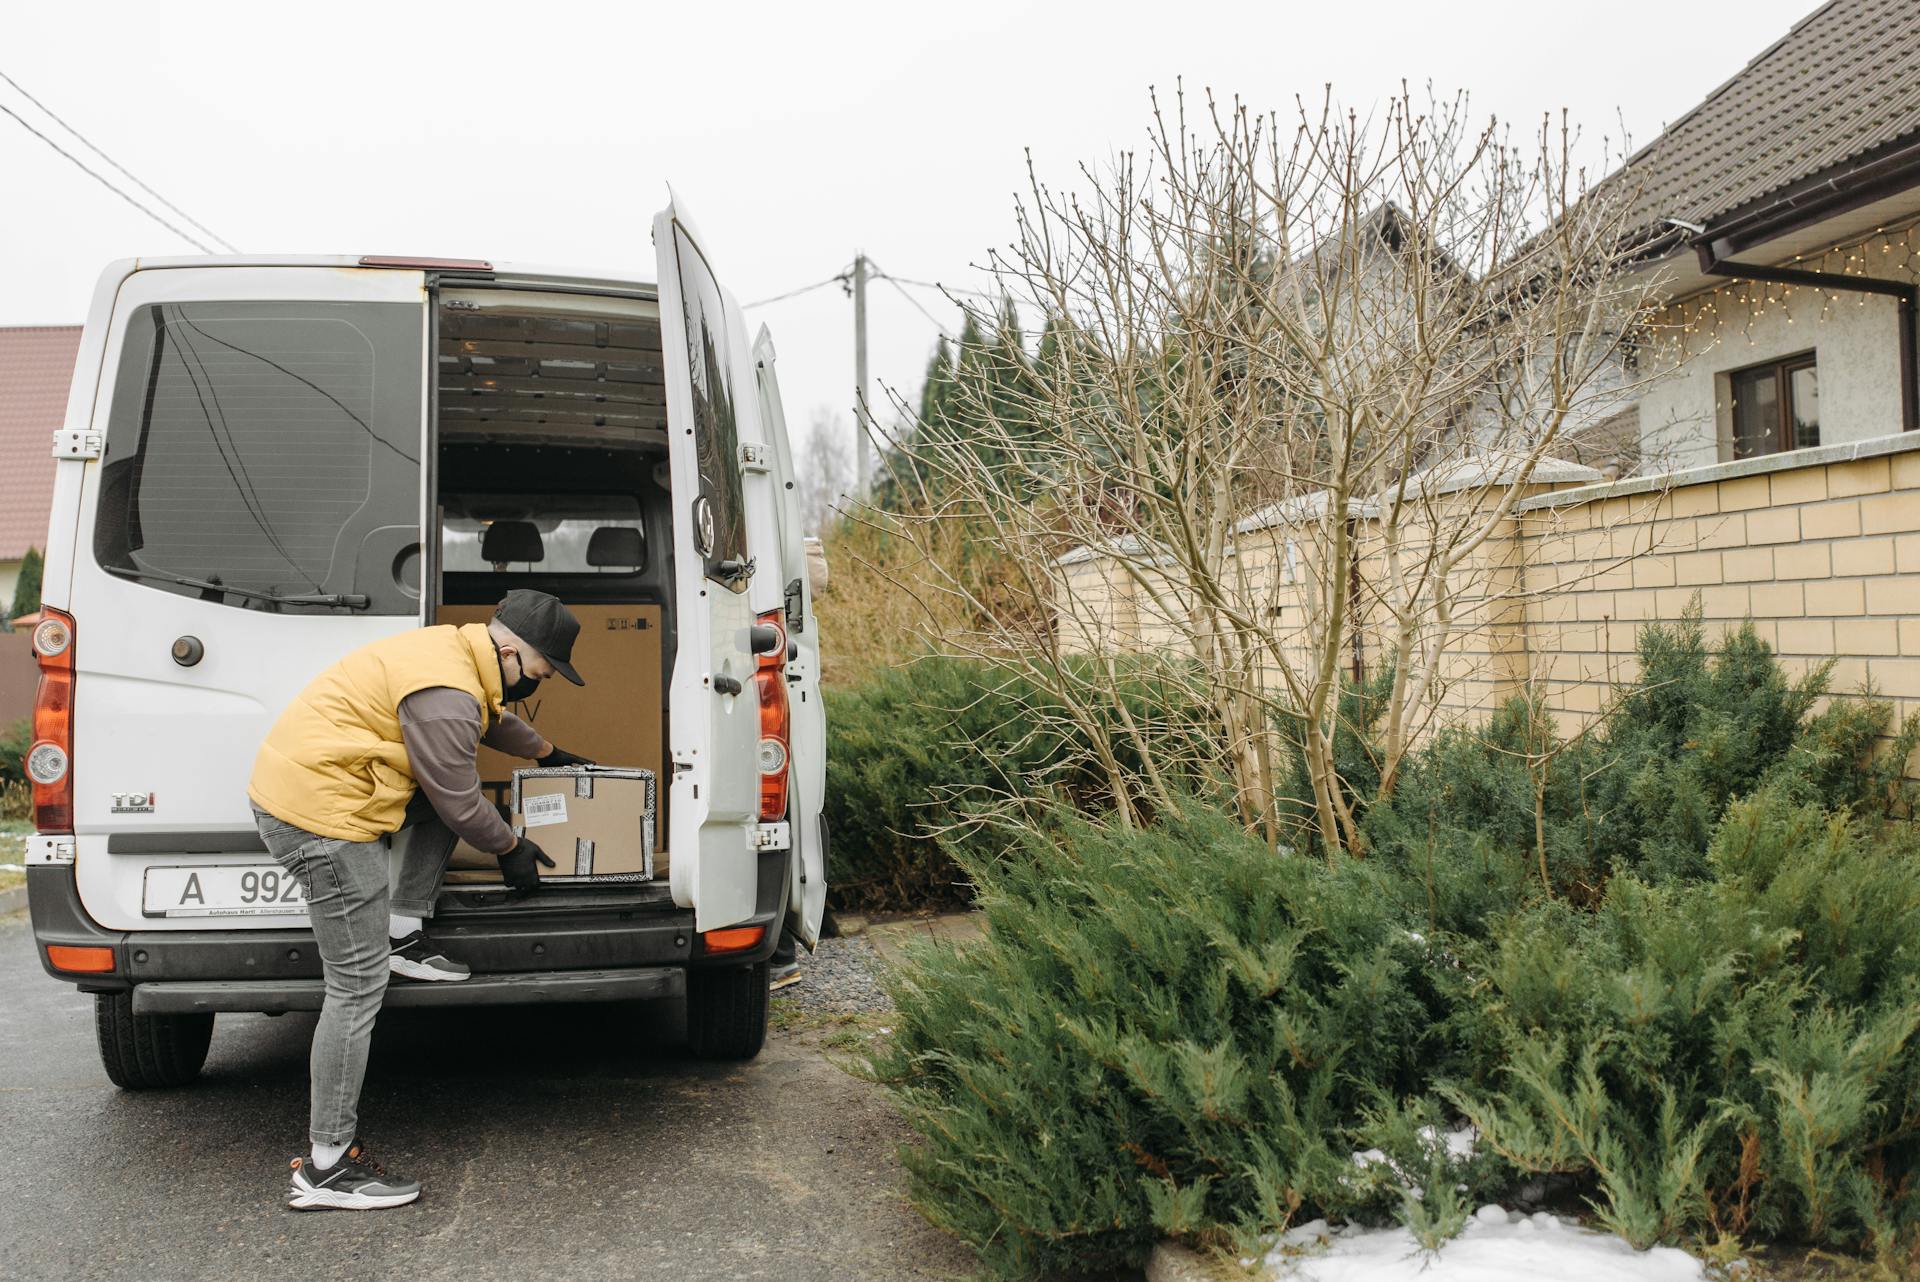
[327, 1200]
[420, 970]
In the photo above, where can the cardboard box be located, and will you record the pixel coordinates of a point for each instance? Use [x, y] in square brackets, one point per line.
[595, 822]
[618, 716]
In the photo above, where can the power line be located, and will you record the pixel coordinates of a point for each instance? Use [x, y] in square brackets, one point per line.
[102, 181]
[945, 289]
[945, 332]
[88, 143]
[795, 293]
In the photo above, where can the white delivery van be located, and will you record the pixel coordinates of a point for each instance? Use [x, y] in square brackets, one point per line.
[268, 462]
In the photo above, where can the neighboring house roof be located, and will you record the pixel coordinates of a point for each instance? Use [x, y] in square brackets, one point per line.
[1611, 444]
[1125, 545]
[1497, 468]
[36, 367]
[1843, 83]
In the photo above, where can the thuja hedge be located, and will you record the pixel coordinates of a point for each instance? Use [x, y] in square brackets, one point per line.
[1705, 1024]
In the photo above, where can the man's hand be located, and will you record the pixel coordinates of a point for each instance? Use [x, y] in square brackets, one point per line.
[517, 865]
[561, 757]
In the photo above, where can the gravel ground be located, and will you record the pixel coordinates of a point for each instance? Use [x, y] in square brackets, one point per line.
[838, 978]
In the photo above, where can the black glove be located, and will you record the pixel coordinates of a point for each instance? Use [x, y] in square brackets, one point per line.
[561, 757]
[517, 865]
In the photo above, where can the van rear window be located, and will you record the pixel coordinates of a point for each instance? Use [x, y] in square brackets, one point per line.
[720, 510]
[267, 447]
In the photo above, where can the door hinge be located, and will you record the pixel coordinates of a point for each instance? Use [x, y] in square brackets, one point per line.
[753, 458]
[43, 851]
[72, 443]
[769, 837]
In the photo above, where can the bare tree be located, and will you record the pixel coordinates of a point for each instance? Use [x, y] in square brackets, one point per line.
[1296, 382]
[824, 467]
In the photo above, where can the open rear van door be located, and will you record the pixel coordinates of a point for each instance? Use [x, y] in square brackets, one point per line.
[807, 734]
[714, 714]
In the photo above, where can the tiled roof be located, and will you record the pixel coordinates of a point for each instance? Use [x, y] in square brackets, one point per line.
[36, 366]
[1844, 82]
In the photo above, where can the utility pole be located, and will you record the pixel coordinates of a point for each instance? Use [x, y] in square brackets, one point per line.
[861, 418]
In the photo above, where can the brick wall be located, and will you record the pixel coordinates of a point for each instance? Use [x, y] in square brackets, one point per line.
[1820, 548]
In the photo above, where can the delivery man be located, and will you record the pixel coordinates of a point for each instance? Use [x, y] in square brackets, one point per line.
[383, 744]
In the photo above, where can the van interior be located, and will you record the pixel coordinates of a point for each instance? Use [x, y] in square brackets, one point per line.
[551, 473]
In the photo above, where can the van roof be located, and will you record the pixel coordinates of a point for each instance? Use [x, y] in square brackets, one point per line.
[529, 273]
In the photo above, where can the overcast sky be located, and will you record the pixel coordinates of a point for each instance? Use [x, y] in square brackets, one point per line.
[794, 134]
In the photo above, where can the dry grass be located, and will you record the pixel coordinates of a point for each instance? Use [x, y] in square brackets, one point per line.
[16, 801]
[882, 603]
[13, 847]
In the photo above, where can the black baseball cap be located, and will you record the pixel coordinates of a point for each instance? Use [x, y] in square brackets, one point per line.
[543, 623]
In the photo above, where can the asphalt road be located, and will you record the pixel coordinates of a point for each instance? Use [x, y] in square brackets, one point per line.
[567, 1142]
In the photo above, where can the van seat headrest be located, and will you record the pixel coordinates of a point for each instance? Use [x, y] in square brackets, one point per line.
[618, 545]
[508, 541]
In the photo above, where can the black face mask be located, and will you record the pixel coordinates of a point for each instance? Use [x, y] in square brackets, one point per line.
[525, 688]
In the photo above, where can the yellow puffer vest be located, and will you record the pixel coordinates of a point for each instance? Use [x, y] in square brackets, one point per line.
[334, 762]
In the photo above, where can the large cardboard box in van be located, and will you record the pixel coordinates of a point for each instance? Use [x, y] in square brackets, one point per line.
[596, 823]
[617, 718]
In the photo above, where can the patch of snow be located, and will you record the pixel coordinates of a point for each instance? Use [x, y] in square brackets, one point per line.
[1459, 1144]
[1496, 1246]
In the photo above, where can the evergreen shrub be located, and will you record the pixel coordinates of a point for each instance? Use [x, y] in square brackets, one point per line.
[15, 739]
[1734, 1053]
[919, 754]
[1168, 1030]
[1642, 791]
[26, 590]
[1704, 1021]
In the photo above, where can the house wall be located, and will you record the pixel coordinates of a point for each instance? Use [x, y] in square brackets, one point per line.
[1686, 409]
[9, 583]
[19, 677]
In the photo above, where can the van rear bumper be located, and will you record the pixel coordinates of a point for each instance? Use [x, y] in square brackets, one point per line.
[561, 950]
[274, 996]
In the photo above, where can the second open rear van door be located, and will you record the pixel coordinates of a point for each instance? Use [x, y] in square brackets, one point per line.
[714, 715]
[807, 894]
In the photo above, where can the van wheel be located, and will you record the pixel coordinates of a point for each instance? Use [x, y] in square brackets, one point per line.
[727, 1011]
[141, 1052]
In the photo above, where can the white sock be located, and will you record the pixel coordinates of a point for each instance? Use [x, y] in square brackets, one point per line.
[399, 927]
[325, 1155]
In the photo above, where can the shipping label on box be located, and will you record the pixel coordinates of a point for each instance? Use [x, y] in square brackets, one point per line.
[595, 822]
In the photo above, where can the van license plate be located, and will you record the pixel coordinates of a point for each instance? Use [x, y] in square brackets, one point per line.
[222, 890]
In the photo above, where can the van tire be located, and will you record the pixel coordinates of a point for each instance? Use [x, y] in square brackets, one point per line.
[145, 1052]
[727, 1011]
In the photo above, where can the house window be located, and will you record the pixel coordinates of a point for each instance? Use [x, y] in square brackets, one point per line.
[1776, 406]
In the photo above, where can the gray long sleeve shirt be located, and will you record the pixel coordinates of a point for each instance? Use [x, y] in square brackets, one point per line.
[443, 729]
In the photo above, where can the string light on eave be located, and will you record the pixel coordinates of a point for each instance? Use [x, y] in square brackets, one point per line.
[1700, 323]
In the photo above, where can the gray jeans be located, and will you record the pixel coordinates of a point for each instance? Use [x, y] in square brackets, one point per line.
[348, 901]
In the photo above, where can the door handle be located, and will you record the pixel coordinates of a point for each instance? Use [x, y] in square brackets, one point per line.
[726, 685]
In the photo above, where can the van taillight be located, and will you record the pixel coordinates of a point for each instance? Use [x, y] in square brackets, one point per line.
[50, 757]
[775, 717]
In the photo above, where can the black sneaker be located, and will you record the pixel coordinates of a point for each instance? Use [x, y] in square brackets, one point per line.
[354, 1183]
[416, 958]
